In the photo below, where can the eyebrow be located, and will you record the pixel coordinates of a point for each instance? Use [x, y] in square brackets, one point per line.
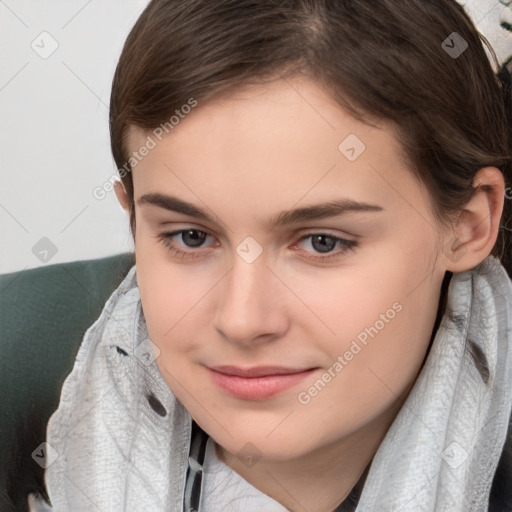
[314, 212]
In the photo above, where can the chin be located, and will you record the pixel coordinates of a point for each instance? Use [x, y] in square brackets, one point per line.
[256, 446]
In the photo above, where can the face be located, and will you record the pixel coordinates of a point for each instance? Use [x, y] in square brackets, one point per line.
[289, 331]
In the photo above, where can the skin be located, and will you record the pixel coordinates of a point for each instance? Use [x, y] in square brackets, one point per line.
[246, 157]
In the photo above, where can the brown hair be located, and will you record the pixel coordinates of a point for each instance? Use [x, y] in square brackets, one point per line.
[387, 60]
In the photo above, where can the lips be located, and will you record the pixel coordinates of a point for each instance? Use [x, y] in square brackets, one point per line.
[258, 383]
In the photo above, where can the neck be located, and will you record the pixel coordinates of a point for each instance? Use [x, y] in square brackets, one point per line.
[321, 480]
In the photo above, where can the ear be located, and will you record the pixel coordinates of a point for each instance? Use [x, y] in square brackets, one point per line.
[121, 195]
[476, 229]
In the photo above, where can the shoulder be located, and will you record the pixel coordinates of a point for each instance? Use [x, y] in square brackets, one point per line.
[44, 313]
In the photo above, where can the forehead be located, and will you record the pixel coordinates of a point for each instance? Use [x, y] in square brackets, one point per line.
[281, 142]
[297, 110]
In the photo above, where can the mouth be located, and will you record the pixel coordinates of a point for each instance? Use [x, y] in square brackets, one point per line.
[258, 383]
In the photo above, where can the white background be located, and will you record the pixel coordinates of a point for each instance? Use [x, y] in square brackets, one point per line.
[54, 138]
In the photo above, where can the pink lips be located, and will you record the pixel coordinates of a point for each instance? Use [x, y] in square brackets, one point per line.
[257, 383]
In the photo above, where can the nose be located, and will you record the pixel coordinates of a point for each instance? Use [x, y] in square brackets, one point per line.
[251, 304]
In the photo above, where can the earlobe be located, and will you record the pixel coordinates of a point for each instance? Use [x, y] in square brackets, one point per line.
[476, 228]
[121, 195]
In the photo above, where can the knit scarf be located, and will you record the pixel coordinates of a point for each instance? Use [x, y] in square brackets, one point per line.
[119, 439]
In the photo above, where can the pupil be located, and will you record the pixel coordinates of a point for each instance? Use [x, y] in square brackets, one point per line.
[323, 246]
[195, 236]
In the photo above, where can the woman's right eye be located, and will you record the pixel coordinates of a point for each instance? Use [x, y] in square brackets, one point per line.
[192, 238]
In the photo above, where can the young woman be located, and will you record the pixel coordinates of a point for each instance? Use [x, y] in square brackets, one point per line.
[320, 315]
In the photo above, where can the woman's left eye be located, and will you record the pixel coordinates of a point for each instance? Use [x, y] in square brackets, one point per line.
[194, 238]
[324, 242]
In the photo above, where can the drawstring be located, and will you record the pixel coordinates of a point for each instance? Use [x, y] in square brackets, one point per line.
[194, 478]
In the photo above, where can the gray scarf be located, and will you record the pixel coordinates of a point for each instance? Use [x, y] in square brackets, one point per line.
[119, 438]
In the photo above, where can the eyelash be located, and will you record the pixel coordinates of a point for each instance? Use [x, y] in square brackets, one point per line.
[164, 238]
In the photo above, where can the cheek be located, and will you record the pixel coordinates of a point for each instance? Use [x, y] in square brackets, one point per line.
[372, 363]
[167, 293]
[169, 302]
[347, 302]
[380, 318]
